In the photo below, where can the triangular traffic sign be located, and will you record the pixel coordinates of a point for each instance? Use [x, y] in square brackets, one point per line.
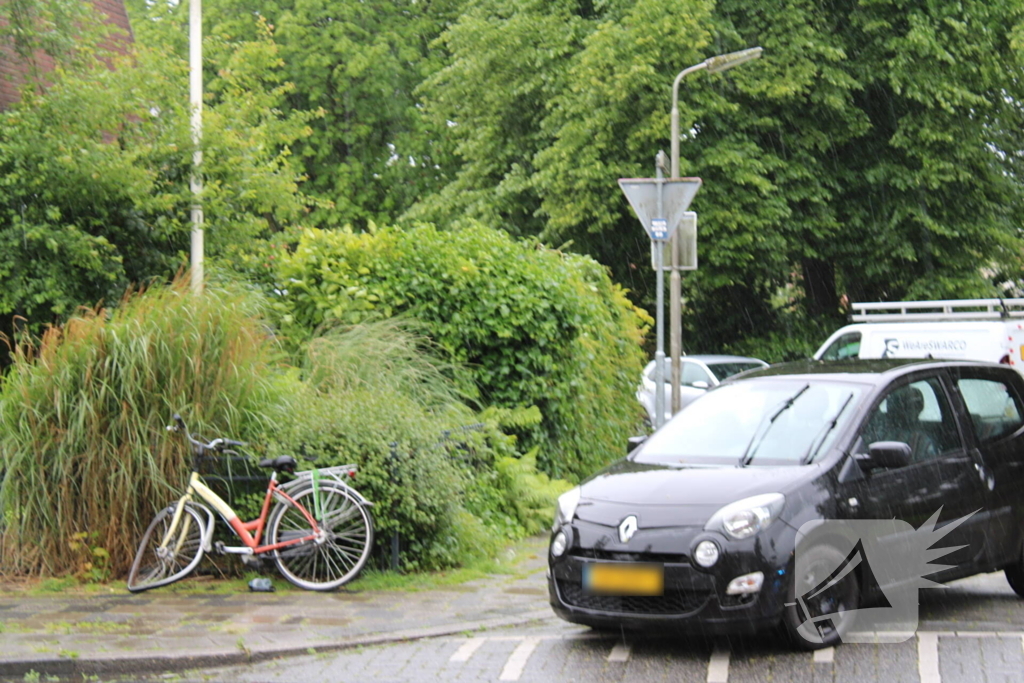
[642, 194]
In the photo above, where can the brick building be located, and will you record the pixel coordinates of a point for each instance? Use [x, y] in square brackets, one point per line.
[13, 70]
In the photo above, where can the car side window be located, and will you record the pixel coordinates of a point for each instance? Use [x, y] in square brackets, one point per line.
[693, 373]
[994, 407]
[847, 346]
[918, 415]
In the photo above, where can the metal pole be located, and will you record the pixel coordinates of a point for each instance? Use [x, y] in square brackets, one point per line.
[675, 323]
[714, 64]
[659, 255]
[675, 283]
[195, 83]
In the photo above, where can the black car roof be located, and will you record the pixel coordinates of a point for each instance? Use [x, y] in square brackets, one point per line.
[873, 371]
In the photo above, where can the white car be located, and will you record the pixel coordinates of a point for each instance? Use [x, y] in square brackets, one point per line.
[697, 375]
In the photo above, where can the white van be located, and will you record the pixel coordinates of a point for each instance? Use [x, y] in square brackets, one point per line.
[972, 329]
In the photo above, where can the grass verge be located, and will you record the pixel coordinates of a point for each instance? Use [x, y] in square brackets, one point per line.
[515, 561]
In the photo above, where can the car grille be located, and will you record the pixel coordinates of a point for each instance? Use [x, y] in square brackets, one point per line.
[619, 556]
[673, 602]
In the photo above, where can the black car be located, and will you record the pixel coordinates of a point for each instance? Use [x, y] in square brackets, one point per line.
[699, 528]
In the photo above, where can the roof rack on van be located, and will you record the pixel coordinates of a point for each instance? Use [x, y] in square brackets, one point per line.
[949, 309]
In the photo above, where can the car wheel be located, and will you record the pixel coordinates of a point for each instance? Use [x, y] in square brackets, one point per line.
[1015, 575]
[810, 616]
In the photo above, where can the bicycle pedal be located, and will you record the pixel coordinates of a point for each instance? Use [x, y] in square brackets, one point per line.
[252, 560]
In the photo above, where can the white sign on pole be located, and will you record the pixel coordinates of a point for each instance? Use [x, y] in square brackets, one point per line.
[686, 235]
[642, 194]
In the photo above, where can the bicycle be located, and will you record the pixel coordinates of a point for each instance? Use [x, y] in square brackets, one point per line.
[319, 531]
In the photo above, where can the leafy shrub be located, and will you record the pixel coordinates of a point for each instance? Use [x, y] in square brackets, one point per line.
[85, 459]
[375, 397]
[535, 327]
[84, 448]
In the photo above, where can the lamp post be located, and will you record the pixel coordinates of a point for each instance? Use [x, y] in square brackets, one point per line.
[195, 91]
[713, 65]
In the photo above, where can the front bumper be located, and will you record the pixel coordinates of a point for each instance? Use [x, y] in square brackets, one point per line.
[694, 598]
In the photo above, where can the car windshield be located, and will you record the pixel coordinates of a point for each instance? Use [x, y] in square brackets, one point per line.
[760, 422]
[723, 370]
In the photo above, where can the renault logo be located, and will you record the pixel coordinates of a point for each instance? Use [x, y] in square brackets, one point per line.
[627, 528]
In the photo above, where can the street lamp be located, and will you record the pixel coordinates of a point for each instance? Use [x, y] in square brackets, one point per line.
[195, 91]
[713, 65]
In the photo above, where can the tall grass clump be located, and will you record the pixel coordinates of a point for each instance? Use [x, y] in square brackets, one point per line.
[83, 449]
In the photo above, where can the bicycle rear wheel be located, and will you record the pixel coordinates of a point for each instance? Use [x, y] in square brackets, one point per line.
[155, 566]
[340, 551]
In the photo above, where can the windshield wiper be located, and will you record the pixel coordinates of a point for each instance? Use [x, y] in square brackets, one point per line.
[819, 439]
[766, 424]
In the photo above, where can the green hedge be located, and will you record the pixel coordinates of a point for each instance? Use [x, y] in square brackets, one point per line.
[534, 326]
[85, 459]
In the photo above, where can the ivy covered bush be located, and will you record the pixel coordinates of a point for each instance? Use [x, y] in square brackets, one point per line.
[535, 327]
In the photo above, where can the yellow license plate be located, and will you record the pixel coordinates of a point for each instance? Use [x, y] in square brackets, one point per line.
[624, 579]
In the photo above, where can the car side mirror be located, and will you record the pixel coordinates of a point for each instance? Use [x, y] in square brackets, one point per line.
[634, 442]
[887, 455]
[700, 384]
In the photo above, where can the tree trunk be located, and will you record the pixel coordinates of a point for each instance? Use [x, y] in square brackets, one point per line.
[820, 287]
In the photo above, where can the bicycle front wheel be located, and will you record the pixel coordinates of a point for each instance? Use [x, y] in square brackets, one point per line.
[337, 554]
[158, 563]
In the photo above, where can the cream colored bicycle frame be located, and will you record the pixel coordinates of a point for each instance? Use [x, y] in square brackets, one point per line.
[195, 485]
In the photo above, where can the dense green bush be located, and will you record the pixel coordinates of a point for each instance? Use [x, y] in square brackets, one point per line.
[445, 479]
[535, 326]
[85, 459]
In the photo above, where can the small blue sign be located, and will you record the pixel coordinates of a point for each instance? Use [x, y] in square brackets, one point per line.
[659, 229]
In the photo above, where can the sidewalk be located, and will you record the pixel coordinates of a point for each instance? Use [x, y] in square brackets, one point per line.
[118, 633]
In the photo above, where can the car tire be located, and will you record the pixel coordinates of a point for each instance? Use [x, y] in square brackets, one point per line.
[799, 617]
[1015, 574]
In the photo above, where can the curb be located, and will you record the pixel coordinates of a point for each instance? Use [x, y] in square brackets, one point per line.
[128, 663]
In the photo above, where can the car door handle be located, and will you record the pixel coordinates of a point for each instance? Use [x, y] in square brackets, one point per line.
[987, 478]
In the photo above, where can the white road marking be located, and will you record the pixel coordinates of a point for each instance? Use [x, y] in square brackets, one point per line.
[620, 653]
[468, 648]
[928, 657]
[517, 660]
[718, 666]
[825, 655]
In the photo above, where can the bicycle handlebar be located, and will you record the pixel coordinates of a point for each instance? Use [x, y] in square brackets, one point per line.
[218, 444]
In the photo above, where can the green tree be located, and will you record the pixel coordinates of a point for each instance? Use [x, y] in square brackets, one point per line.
[872, 151]
[509, 61]
[95, 171]
[373, 152]
[55, 30]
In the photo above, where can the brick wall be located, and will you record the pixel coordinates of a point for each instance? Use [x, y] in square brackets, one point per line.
[13, 70]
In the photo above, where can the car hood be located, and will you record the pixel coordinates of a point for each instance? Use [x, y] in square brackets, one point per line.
[677, 495]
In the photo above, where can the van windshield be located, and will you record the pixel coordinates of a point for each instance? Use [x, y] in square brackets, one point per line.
[759, 422]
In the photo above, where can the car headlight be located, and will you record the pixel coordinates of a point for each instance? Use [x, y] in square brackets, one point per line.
[559, 543]
[746, 517]
[566, 508]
